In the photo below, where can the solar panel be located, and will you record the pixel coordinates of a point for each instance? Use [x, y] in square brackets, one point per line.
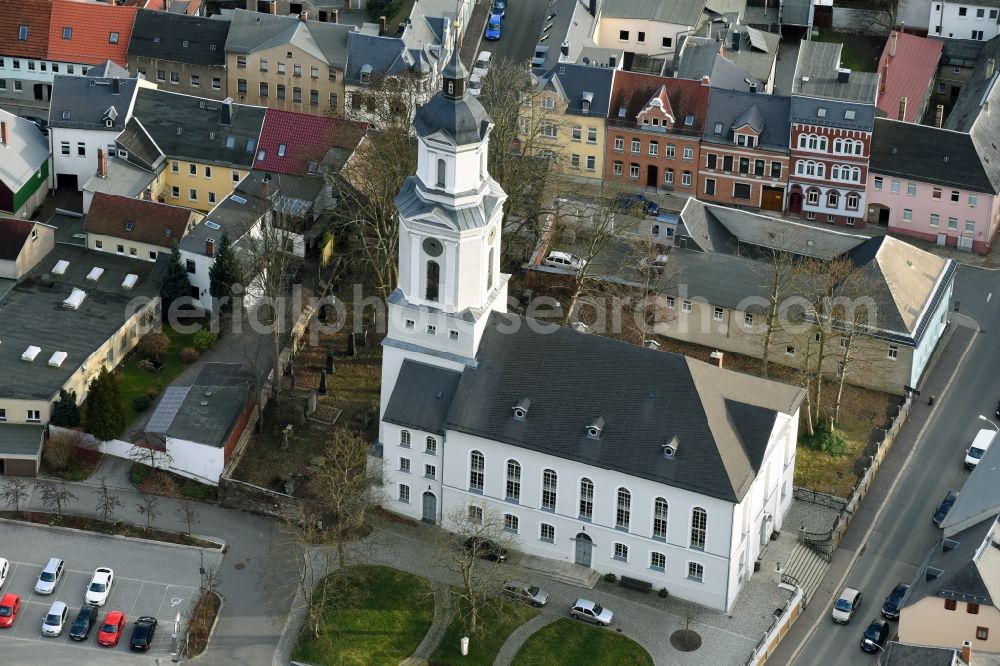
[757, 39]
[165, 412]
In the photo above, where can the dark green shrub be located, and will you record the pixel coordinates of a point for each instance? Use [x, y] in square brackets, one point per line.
[141, 402]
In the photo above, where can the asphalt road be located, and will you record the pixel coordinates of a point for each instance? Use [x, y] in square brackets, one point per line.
[903, 532]
[522, 27]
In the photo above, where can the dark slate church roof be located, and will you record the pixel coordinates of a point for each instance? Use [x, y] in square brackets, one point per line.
[722, 420]
[464, 120]
[424, 395]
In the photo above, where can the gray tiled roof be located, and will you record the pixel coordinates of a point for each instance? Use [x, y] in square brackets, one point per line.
[234, 217]
[26, 151]
[755, 61]
[976, 111]
[962, 577]
[796, 12]
[732, 109]
[191, 128]
[573, 24]
[818, 63]
[421, 397]
[644, 397]
[108, 69]
[807, 110]
[124, 178]
[960, 52]
[904, 654]
[464, 121]
[928, 154]
[86, 99]
[575, 82]
[139, 145]
[213, 404]
[383, 55]
[680, 12]
[411, 205]
[980, 496]
[20, 439]
[254, 31]
[194, 40]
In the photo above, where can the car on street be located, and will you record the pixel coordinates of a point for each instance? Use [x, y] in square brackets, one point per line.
[10, 606]
[493, 27]
[475, 85]
[485, 549]
[944, 507]
[875, 636]
[482, 64]
[524, 592]
[591, 611]
[84, 622]
[499, 7]
[558, 259]
[893, 602]
[980, 445]
[142, 633]
[541, 53]
[111, 630]
[55, 619]
[100, 586]
[50, 575]
[636, 204]
[4, 570]
[845, 605]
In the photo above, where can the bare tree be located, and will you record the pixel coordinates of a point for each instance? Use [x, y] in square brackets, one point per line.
[389, 101]
[14, 493]
[777, 272]
[145, 453]
[107, 500]
[471, 544]
[148, 506]
[880, 17]
[188, 515]
[55, 496]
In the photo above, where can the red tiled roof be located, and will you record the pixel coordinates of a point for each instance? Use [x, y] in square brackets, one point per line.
[910, 75]
[35, 14]
[633, 91]
[93, 24]
[109, 214]
[306, 139]
[13, 233]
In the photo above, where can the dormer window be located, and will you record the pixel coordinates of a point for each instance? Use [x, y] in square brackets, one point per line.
[718, 128]
[670, 448]
[656, 122]
[521, 409]
[689, 121]
[595, 428]
[366, 74]
[621, 112]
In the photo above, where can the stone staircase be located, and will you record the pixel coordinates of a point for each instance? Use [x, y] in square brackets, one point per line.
[808, 568]
[564, 572]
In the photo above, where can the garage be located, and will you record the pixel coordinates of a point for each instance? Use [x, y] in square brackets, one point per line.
[20, 449]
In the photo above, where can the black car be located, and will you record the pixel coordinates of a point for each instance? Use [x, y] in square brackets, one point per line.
[85, 619]
[636, 204]
[142, 633]
[894, 601]
[875, 636]
[945, 506]
[486, 549]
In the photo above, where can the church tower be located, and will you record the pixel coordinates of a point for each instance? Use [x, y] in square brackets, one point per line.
[450, 213]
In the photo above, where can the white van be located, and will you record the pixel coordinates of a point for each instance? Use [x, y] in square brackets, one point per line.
[979, 447]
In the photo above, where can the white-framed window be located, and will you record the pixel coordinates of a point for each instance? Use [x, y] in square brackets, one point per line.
[548, 103]
[686, 306]
[878, 182]
[475, 514]
[907, 214]
[3, 415]
[654, 148]
[34, 416]
[591, 162]
[970, 226]
[686, 179]
[670, 302]
[668, 176]
[430, 471]
[911, 189]
[657, 561]
[404, 493]
[789, 350]
[633, 170]
[893, 352]
[636, 146]
[953, 223]
[699, 527]
[973, 200]
[432, 329]
[404, 465]
[549, 130]
[832, 199]
[547, 533]
[661, 512]
[618, 168]
[574, 161]
[696, 572]
[431, 445]
[577, 133]
[549, 485]
[623, 509]
[621, 552]
[709, 186]
[619, 143]
[747, 319]
[477, 471]
[410, 324]
[935, 219]
[513, 481]
[688, 153]
[510, 523]
[717, 314]
[853, 201]
[586, 499]
[591, 135]
[670, 151]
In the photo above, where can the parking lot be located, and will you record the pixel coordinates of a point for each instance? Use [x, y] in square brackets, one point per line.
[150, 579]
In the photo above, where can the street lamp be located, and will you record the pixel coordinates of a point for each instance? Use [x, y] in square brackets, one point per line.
[983, 418]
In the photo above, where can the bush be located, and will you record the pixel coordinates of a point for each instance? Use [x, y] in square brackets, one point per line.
[139, 473]
[831, 442]
[141, 402]
[610, 577]
[59, 451]
[204, 339]
[154, 344]
[189, 355]
[663, 593]
[152, 392]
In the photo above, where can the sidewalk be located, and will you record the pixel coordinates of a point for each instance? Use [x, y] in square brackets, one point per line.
[946, 363]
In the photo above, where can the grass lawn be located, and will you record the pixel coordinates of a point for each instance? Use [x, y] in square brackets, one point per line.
[860, 52]
[568, 641]
[378, 616]
[133, 380]
[500, 621]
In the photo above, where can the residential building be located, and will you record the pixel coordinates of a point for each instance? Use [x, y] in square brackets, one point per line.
[180, 53]
[646, 27]
[654, 132]
[933, 184]
[23, 243]
[570, 30]
[199, 426]
[86, 113]
[679, 481]
[744, 150]
[906, 82]
[89, 33]
[797, 13]
[907, 654]
[832, 117]
[76, 311]
[25, 71]
[24, 166]
[738, 58]
[574, 103]
[958, 59]
[967, 19]
[135, 227]
[286, 63]
[298, 144]
[712, 293]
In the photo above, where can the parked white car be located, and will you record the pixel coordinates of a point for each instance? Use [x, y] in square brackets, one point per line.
[475, 85]
[980, 445]
[848, 602]
[566, 260]
[49, 578]
[590, 611]
[100, 586]
[482, 64]
[55, 619]
[4, 570]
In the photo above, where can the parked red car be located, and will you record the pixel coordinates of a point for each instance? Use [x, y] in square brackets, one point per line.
[111, 630]
[10, 606]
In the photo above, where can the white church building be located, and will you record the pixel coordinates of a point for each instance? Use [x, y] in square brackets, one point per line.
[618, 458]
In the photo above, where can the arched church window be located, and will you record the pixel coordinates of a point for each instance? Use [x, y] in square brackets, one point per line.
[441, 172]
[433, 280]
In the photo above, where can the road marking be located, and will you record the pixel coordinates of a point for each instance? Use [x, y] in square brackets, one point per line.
[989, 296]
[137, 594]
[176, 601]
[888, 495]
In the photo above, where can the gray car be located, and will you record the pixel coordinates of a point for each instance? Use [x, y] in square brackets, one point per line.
[55, 619]
[591, 611]
[531, 594]
[49, 578]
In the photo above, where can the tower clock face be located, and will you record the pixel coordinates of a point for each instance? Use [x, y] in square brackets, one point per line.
[432, 246]
[492, 236]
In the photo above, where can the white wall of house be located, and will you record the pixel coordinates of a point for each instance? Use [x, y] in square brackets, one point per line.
[20, 75]
[67, 146]
[935, 329]
[124, 247]
[196, 461]
[963, 20]
[653, 34]
[199, 277]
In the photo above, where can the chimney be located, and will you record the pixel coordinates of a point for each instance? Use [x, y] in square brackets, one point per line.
[991, 65]
[209, 247]
[939, 116]
[843, 75]
[892, 44]
[381, 26]
[593, 8]
[3, 132]
[717, 357]
[966, 652]
[102, 163]
[116, 86]
[753, 87]
[735, 45]
[335, 16]
[902, 109]
[226, 112]
[303, 16]
[564, 49]
[884, 78]
[272, 7]
[706, 80]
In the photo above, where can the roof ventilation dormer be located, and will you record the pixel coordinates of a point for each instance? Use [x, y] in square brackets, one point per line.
[948, 544]
[521, 409]
[595, 428]
[60, 267]
[932, 572]
[670, 448]
[30, 353]
[56, 360]
[95, 273]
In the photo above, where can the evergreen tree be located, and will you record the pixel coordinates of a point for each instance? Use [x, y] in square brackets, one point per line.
[65, 413]
[105, 414]
[225, 272]
[175, 281]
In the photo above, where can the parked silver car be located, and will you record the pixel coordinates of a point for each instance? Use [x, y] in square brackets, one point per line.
[531, 594]
[591, 611]
[49, 578]
[55, 619]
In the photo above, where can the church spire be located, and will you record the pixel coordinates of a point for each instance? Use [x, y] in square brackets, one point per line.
[455, 75]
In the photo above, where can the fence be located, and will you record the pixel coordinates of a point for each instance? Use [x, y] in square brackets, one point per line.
[245, 496]
[779, 626]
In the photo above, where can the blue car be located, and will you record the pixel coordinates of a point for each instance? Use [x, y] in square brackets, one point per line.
[493, 27]
[945, 507]
[499, 7]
